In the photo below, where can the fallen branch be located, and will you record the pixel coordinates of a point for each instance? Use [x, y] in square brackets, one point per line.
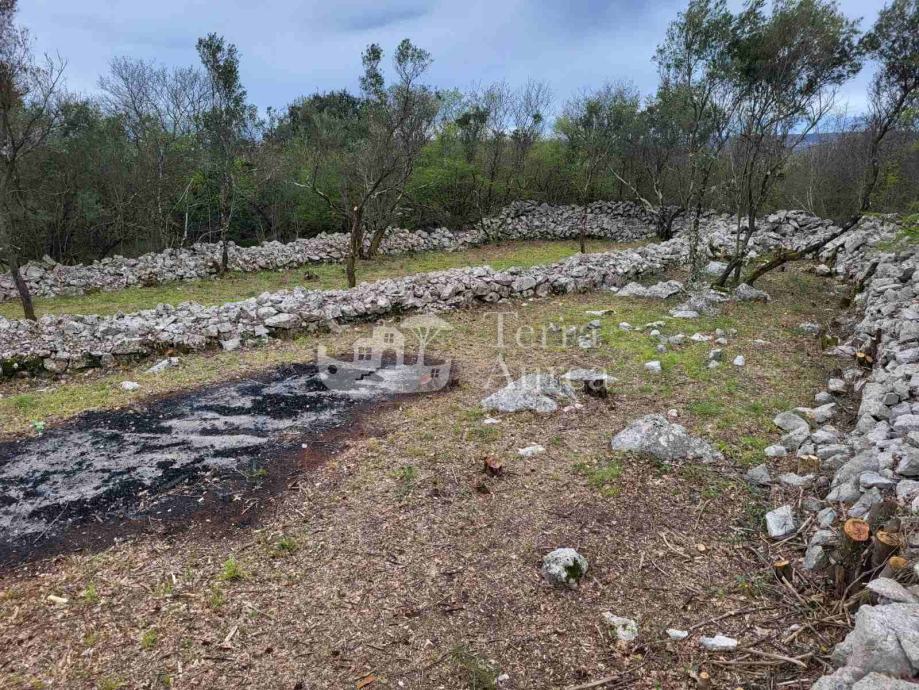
[796, 255]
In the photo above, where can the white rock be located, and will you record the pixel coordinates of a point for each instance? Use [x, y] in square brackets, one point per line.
[780, 522]
[625, 629]
[718, 643]
[531, 450]
[564, 567]
[130, 386]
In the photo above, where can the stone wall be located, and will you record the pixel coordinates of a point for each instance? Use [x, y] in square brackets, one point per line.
[871, 471]
[621, 221]
[61, 343]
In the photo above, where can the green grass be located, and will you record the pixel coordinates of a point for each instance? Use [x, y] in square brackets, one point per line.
[232, 570]
[602, 475]
[240, 286]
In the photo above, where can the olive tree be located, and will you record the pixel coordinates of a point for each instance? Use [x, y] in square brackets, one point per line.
[786, 65]
[893, 43]
[697, 96]
[371, 152]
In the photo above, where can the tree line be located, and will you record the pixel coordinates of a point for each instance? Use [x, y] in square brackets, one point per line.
[743, 119]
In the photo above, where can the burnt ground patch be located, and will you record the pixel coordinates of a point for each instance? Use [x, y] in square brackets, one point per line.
[214, 457]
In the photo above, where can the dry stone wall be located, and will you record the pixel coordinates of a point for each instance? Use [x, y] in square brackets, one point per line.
[621, 221]
[869, 472]
[62, 343]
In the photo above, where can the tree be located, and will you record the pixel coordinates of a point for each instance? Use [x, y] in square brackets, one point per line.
[373, 152]
[160, 110]
[893, 43]
[28, 114]
[596, 127]
[222, 123]
[695, 92]
[785, 65]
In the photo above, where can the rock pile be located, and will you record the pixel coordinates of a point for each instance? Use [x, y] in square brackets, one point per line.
[522, 220]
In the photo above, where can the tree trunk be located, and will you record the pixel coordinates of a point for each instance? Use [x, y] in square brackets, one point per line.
[25, 297]
[695, 256]
[582, 233]
[224, 253]
[375, 241]
[356, 245]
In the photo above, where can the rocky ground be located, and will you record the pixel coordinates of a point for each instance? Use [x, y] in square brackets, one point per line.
[413, 556]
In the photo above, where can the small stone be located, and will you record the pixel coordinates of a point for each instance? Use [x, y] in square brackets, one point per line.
[715, 355]
[892, 590]
[625, 629]
[163, 365]
[718, 643]
[836, 385]
[780, 522]
[675, 634]
[129, 385]
[873, 480]
[531, 450]
[231, 345]
[815, 558]
[564, 567]
[796, 481]
[653, 435]
[826, 517]
[759, 476]
[654, 366]
[789, 421]
[748, 293]
[823, 398]
[776, 451]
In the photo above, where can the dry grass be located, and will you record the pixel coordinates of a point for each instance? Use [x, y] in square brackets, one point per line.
[399, 564]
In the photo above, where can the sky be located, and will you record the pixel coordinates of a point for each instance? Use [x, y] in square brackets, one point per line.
[290, 48]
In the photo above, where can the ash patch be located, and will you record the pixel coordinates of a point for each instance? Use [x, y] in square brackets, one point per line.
[175, 455]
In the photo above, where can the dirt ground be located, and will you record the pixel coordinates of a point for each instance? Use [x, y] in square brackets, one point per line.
[399, 564]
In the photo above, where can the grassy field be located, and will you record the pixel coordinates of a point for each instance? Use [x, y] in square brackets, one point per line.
[399, 564]
[239, 286]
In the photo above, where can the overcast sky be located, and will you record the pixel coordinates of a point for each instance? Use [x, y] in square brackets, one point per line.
[290, 48]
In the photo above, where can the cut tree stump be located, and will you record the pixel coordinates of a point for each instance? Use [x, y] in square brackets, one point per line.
[886, 544]
[782, 569]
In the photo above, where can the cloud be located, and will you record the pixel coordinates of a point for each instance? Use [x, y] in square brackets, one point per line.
[293, 47]
[377, 17]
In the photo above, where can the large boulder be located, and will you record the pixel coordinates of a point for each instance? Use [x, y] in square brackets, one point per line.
[654, 435]
[885, 640]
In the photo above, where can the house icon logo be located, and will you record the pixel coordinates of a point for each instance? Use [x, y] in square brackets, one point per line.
[378, 363]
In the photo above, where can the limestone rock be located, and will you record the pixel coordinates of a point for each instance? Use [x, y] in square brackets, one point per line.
[564, 567]
[654, 435]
